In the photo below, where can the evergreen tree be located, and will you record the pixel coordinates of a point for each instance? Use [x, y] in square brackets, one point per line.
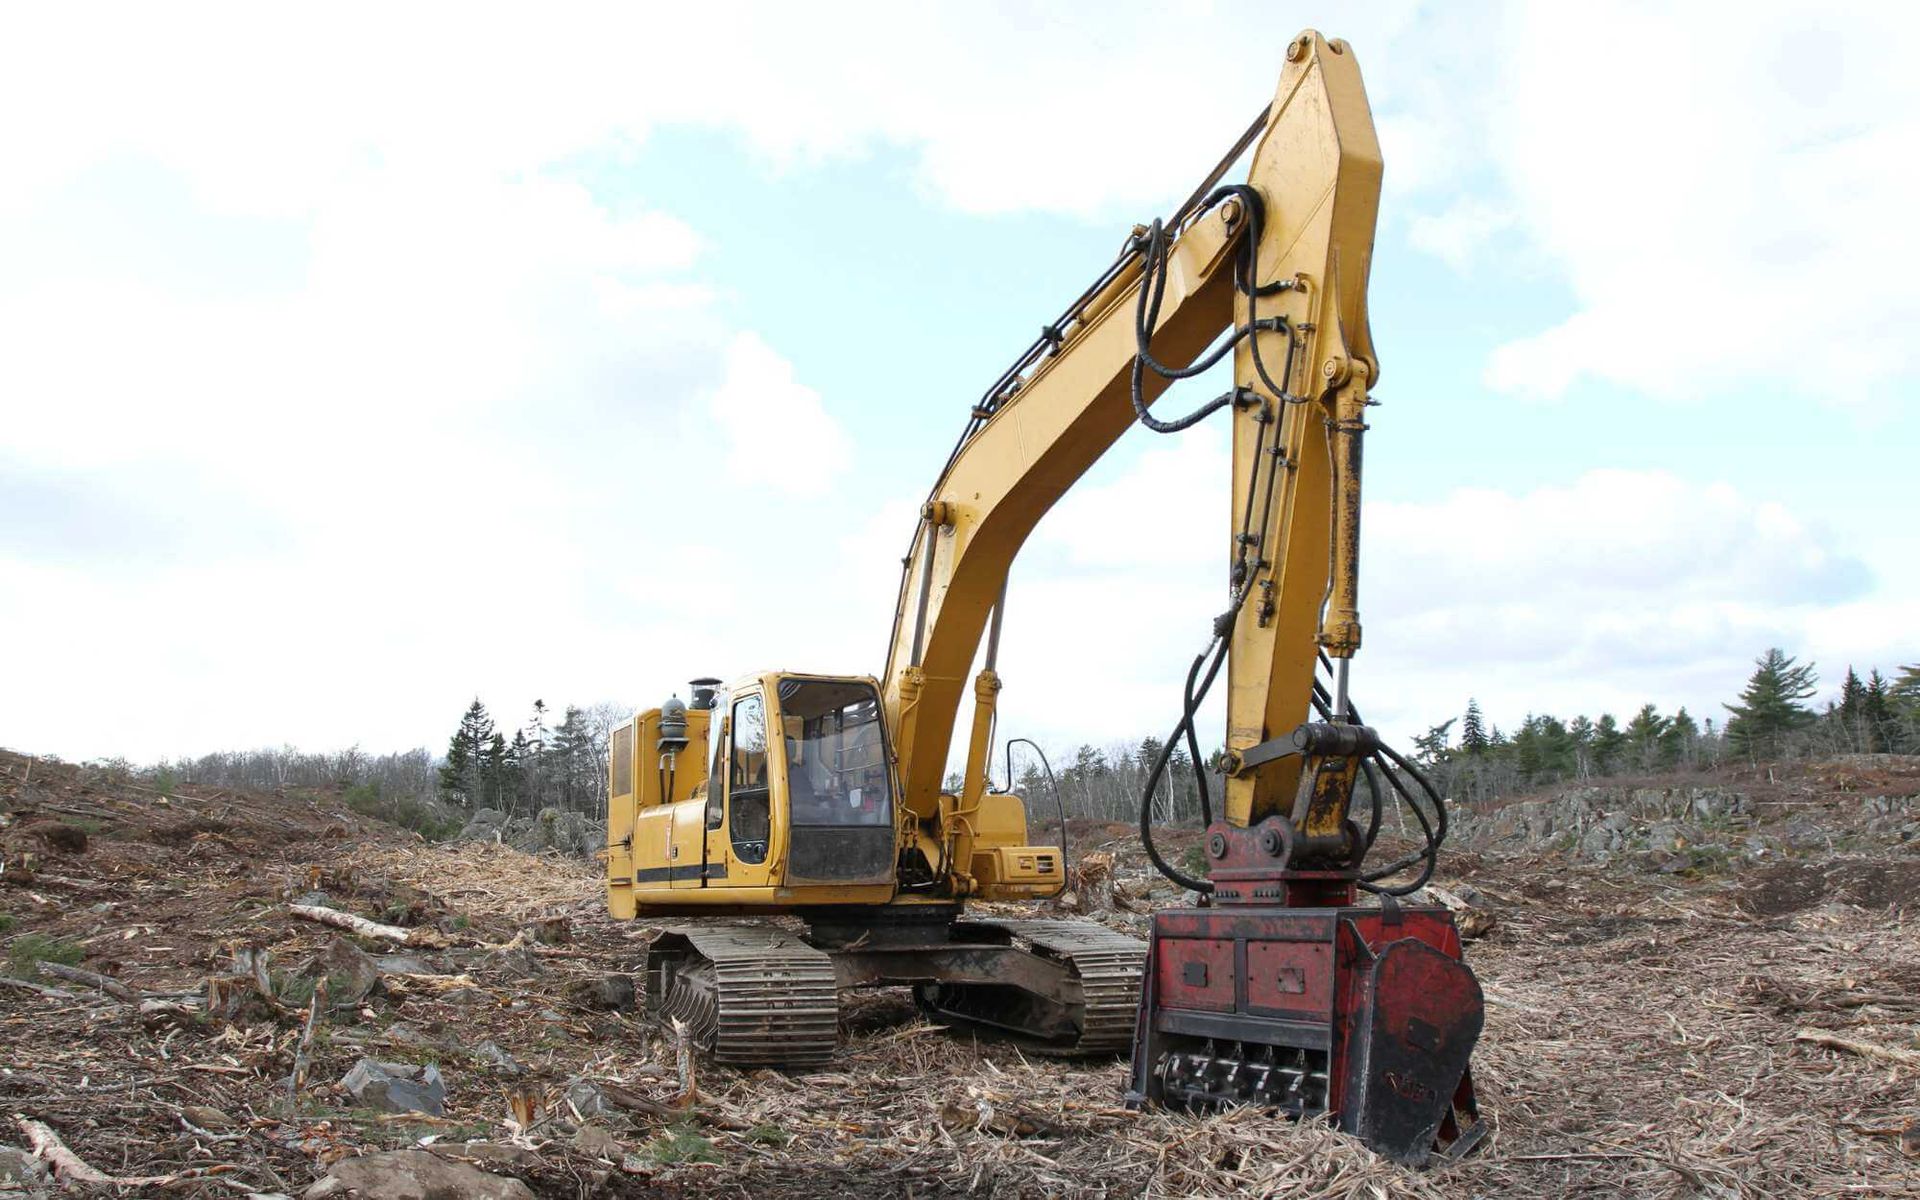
[1906, 687]
[1580, 733]
[517, 769]
[1528, 758]
[535, 767]
[461, 777]
[1770, 707]
[1876, 710]
[493, 772]
[1644, 734]
[1853, 695]
[1678, 741]
[1431, 747]
[574, 759]
[1473, 730]
[1608, 744]
[1557, 753]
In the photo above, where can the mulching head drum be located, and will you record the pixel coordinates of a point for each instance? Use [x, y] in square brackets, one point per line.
[1367, 1013]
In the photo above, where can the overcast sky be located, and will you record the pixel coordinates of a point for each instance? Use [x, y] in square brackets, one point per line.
[355, 361]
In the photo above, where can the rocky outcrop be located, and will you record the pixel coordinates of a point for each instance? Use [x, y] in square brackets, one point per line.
[553, 829]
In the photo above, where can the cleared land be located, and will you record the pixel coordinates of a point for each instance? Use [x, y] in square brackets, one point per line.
[1669, 1022]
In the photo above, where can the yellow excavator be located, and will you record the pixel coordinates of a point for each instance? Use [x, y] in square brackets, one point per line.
[820, 798]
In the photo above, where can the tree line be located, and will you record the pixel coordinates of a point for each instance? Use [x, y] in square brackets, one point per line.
[1771, 720]
[542, 765]
[543, 762]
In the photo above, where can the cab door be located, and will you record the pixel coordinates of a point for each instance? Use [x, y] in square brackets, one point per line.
[749, 783]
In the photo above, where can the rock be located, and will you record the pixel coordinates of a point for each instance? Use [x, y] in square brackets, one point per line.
[608, 993]
[316, 899]
[587, 1099]
[403, 964]
[490, 1053]
[18, 1169]
[464, 996]
[350, 972]
[397, 1087]
[598, 1142]
[567, 832]
[1803, 834]
[1672, 835]
[414, 1175]
[518, 961]
[551, 931]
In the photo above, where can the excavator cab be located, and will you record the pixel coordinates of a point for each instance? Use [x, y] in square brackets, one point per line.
[839, 783]
[778, 790]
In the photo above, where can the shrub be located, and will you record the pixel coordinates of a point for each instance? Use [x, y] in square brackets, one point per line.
[30, 949]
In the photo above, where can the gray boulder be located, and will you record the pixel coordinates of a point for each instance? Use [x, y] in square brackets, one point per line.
[350, 972]
[397, 1087]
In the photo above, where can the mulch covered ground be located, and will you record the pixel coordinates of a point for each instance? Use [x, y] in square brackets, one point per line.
[1721, 1035]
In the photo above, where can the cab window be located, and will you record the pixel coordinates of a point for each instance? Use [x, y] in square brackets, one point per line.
[747, 793]
[836, 757]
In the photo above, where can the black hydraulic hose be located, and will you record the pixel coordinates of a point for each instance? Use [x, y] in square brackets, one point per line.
[1059, 805]
[1193, 751]
[1218, 649]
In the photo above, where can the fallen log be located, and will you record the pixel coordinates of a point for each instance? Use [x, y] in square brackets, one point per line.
[366, 928]
[634, 1102]
[93, 979]
[1833, 1041]
[51, 993]
[69, 1167]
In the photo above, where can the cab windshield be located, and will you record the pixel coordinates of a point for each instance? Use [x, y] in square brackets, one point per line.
[836, 754]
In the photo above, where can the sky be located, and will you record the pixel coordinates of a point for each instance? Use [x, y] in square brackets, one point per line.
[357, 362]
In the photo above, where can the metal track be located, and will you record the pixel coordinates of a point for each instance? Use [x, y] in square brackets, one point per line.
[1107, 966]
[754, 995]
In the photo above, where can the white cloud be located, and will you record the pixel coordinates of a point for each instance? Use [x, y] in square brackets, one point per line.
[779, 435]
[1618, 588]
[1456, 235]
[1727, 192]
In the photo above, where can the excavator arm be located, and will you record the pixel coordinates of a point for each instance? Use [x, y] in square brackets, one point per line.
[1280, 265]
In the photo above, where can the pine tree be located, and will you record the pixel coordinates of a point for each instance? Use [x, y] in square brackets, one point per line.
[1608, 744]
[516, 770]
[1431, 747]
[1876, 710]
[535, 767]
[1580, 733]
[1848, 717]
[1677, 743]
[493, 772]
[1473, 730]
[1853, 695]
[1644, 733]
[1770, 707]
[461, 776]
[574, 759]
[1906, 688]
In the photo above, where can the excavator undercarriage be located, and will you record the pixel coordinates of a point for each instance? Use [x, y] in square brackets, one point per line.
[758, 993]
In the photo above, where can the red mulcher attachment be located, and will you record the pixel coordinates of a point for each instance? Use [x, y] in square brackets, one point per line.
[1283, 993]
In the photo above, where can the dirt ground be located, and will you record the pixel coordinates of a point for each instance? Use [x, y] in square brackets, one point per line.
[1732, 1031]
